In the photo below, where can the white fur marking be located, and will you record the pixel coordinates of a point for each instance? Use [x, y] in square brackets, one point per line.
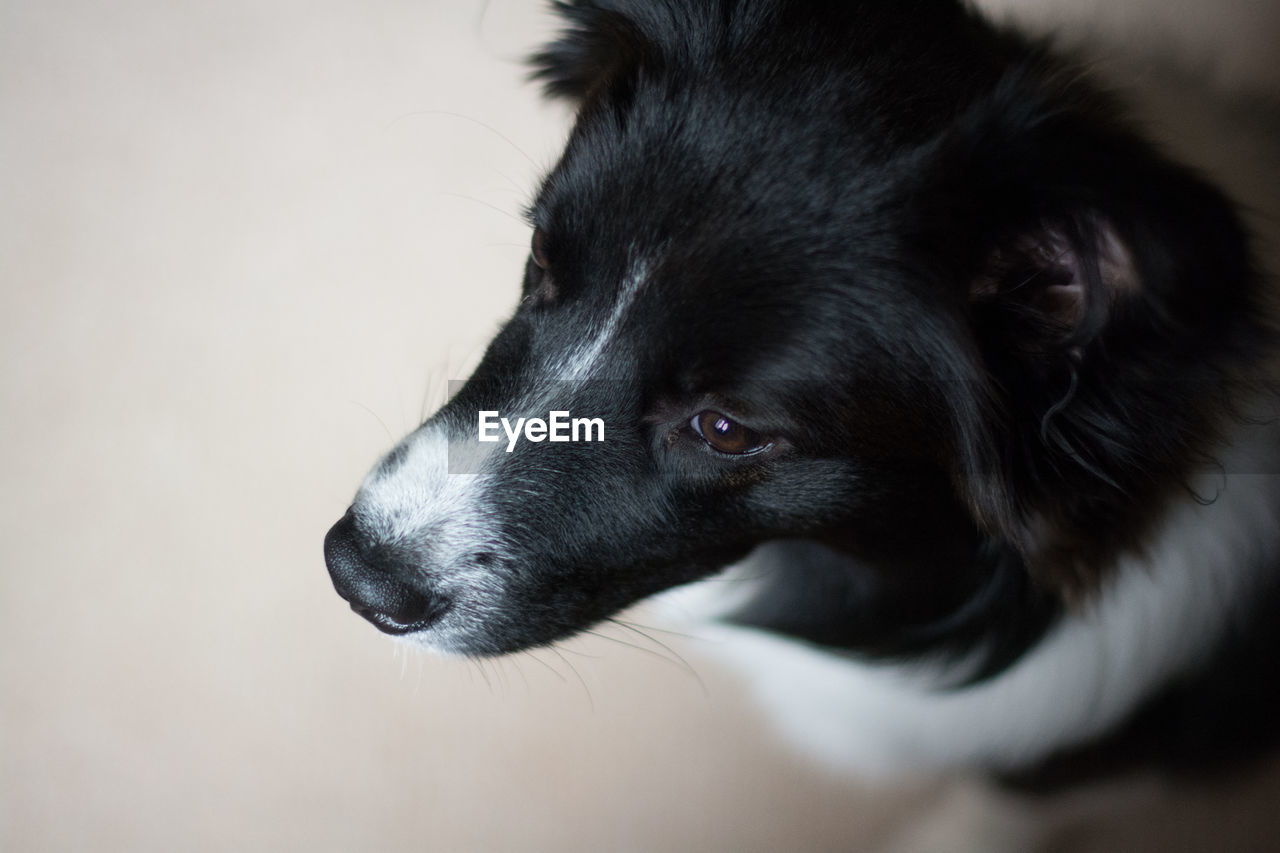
[444, 517]
[581, 362]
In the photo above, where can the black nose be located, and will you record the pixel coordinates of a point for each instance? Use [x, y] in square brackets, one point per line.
[376, 584]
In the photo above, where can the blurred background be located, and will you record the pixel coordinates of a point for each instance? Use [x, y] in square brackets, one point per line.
[243, 247]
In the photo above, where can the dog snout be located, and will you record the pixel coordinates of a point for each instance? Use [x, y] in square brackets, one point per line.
[376, 583]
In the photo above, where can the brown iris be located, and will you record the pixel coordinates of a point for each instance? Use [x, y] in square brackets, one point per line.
[537, 249]
[727, 435]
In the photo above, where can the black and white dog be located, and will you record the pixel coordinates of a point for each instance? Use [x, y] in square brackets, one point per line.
[891, 312]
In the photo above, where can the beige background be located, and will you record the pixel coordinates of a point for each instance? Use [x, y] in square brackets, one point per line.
[243, 245]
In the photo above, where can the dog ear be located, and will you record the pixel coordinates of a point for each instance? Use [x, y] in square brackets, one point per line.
[596, 47]
[1046, 289]
[1114, 312]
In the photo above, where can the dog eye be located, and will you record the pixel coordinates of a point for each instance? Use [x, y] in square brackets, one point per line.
[537, 249]
[726, 435]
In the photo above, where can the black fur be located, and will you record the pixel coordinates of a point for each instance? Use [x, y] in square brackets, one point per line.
[904, 152]
[986, 329]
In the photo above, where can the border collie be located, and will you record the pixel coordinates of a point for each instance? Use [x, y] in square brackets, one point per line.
[892, 321]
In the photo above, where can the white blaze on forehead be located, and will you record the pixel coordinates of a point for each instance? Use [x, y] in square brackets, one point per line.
[581, 362]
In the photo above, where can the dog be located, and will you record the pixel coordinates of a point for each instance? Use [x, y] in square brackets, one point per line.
[896, 328]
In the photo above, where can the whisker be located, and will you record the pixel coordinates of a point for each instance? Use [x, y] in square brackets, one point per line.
[557, 673]
[621, 642]
[515, 185]
[515, 661]
[477, 665]
[449, 114]
[671, 655]
[684, 635]
[590, 699]
[435, 394]
[579, 652]
[376, 417]
[471, 198]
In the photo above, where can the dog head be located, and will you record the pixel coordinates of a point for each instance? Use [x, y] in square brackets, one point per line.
[872, 276]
